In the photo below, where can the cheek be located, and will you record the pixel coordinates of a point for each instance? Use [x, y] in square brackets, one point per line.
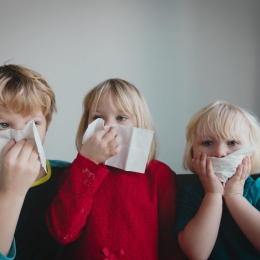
[90, 121]
[199, 149]
[42, 133]
[134, 122]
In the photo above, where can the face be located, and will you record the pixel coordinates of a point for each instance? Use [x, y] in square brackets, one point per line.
[111, 114]
[215, 147]
[11, 120]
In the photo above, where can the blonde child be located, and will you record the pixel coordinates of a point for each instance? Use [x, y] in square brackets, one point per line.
[103, 212]
[26, 191]
[217, 221]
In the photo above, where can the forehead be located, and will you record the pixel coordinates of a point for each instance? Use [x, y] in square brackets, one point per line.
[225, 129]
[23, 113]
[113, 100]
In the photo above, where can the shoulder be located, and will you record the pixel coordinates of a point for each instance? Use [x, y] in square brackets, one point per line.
[160, 172]
[155, 166]
[58, 163]
[252, 190]
[59, 168]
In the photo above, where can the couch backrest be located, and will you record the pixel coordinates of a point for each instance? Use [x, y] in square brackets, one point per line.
[186, 179]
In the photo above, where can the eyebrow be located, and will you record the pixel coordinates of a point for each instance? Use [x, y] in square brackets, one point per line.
[38, 116]
[119, 112]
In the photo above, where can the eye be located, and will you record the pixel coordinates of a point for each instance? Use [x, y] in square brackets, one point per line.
[3, 126]
[121, 118]
[232, 143]
[207, 143]
[36, 122]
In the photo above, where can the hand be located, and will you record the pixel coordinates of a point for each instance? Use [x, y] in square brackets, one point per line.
[102, 145]
[19, 167]
[235, 185]
[204, 169]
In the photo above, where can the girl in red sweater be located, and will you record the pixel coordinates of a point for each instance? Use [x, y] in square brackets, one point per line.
[102, 212]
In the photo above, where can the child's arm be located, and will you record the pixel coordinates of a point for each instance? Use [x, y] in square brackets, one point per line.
[245, 215]
[19, 167]
[68, 212]
[198, 237]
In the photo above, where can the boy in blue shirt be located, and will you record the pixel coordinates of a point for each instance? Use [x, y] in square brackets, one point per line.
[25, 189]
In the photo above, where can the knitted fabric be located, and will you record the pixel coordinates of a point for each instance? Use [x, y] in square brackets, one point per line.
[107, 213]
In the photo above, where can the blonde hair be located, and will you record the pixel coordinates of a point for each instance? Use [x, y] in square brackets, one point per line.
[223, 120]
[24, 91]
[126, 98]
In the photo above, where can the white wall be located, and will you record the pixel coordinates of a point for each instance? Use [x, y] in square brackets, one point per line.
[182, 54]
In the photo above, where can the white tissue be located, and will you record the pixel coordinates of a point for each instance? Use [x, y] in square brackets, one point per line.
[135, 146]
[29, 132]
[226, 167]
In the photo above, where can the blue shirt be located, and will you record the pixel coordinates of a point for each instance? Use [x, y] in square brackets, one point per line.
[231, 243]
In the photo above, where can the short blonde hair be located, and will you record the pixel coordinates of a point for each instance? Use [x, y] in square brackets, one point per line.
[223, 120]
[24, 91]
[127, 98]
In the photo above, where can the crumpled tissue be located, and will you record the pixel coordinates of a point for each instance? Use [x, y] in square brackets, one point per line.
[135, 146]
[29, 132]
[226, 167]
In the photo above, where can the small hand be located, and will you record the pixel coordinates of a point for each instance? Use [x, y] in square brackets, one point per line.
[204, 169]
[19, 167]
[102, 145]
[235, 185]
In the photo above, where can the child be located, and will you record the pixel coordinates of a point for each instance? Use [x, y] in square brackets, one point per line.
[25, 189]
[217, 221]
[109, 213]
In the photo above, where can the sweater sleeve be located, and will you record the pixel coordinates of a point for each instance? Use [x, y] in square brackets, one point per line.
[167, 202]
[69, 210]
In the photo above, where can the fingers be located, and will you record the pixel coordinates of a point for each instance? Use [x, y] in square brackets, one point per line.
[23, 150]
[109, 138]
[28, 149]
[200, 163]
[203, 167]
[116, 147]
[110, 134]
[8, 147]
[19, 167]
[235, 185]
[243, 169]
[102, 145]
[113, 141]
[209, 167]
[246, 166]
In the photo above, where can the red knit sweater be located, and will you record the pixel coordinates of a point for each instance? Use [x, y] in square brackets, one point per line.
[108, 213]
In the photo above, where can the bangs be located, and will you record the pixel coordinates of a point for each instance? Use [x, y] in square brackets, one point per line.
[224, 124]
[17, 101]
[120, 96]
[122, 100]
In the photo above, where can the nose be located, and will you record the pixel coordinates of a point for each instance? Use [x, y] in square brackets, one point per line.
[220, 151]
[110, 122]
[19, 127]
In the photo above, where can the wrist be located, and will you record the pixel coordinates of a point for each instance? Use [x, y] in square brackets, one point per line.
[12, 198]
[217, 196]
[214, 194]
[232, 195]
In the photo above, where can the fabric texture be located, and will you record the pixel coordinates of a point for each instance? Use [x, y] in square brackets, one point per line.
[106, 213]
[231, 243]
[33, 241]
